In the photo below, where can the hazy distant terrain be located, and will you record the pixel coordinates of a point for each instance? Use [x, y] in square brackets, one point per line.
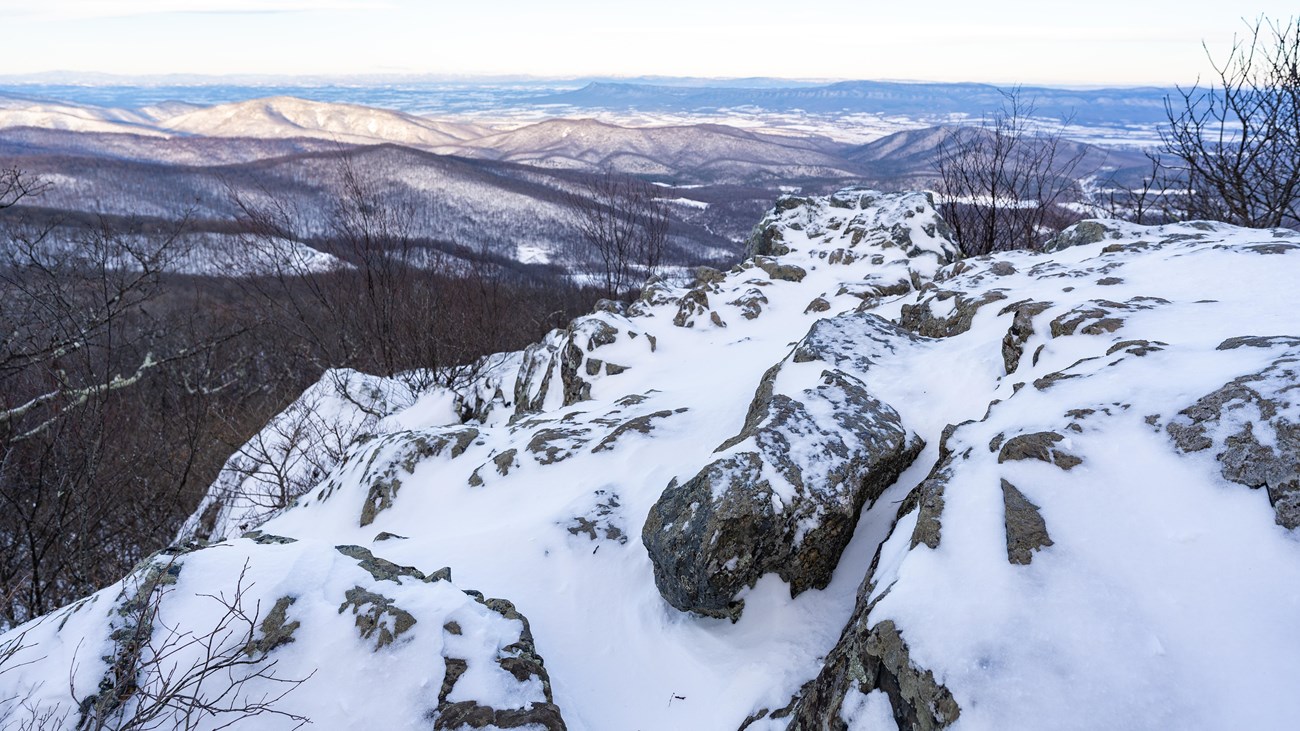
[490, 166]
[850, 110]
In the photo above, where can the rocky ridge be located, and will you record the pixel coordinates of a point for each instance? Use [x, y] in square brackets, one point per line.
[875, 484]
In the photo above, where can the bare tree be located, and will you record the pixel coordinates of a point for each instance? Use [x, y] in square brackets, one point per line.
[625, 225]
[1002, 185]
[1147, 200]
[125, 386]
[17, 712]
[373, 303]
[1237, 140]
[80, 433]
[163, 676]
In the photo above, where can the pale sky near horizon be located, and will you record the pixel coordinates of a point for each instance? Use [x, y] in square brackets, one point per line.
[1122, 42]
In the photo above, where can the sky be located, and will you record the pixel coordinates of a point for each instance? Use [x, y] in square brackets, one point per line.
[1119, 42]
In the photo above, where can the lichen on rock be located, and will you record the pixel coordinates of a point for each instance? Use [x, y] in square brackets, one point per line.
[376, 616]
[1251, 424]
[1041, 446]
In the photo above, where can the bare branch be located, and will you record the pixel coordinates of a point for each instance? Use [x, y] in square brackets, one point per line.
[1236, 141]
[1004, 186]
[625, 226]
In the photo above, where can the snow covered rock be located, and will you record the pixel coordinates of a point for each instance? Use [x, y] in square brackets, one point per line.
[265, 631]
[386, 460]
[559, 371]
[787, 491]
[1059, 564]
[294, 452]
[896, 232]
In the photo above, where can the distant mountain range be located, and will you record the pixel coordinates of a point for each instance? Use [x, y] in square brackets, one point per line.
[693, 153]
[503, 187]
[680, 153]
[1107, 107]
[432, 95]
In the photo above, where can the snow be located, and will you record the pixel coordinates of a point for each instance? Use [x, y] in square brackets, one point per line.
[297, 449]
[1167, 599]
[867, 712]
[385, 691]
[531, 254]
[280, 117]
[209, 254]
[688, 202]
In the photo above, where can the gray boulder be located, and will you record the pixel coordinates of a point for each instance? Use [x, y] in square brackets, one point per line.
[933, 317]
[785, 493]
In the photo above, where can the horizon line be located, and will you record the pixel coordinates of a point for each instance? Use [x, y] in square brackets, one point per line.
[94, 78]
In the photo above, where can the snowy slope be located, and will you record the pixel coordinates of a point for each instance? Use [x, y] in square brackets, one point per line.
[854, 483]
[272, 118]
[19, 112]
[699, 150]
[283, 117]
[706, 151]
[26, 142]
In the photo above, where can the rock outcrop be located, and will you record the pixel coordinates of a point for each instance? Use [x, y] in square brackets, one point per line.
[1252, 425]
[786, 492]
[293, 453]
[926, 491]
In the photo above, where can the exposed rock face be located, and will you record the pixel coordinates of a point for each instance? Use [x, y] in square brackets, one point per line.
[777, 270]
[389, 459]
[1082, 234]
[786, 493]
[1253, 425]
[1100, 316]
[560, 370]
[492, 389]
[519, 659]
[1022, 327]
[818, 304]
[750, 303]
[1026, 530]
[536, 373]
[945, 313]
[1248, 425]
[897, 232]
[873, 657]
[1041, 446]
[694, 306]
[877, 658]
[709, 275]
[928, 497]
[643, 424]
[1129, 234]
[766, 241]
